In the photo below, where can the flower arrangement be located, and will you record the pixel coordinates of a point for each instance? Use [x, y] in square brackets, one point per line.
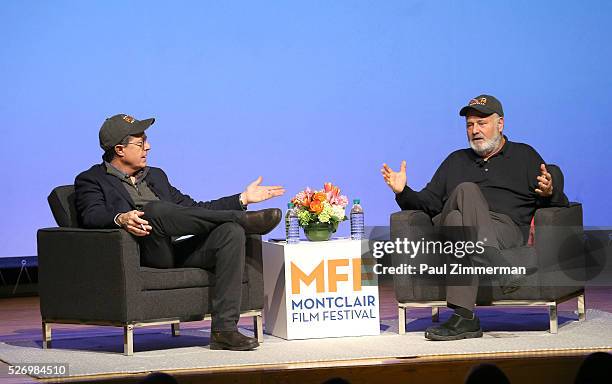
[326, 205]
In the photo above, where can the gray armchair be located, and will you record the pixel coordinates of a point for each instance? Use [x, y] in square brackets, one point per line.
[93, 276]
[558, 235]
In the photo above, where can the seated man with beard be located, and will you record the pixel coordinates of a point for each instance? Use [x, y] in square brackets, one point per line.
[494, 187]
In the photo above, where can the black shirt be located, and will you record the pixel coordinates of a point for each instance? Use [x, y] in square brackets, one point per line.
[507, 180]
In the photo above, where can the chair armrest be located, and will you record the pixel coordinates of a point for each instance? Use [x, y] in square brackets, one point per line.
[414, 225]
[87, 274]
[559, 216]
[411, 224]
[556, 225]
[410, 217]
[254, 271]
[559, 241]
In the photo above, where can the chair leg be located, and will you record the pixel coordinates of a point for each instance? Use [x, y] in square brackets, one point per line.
[258, 327]
[128, 339]
[435, 314]
[401, 320]
[552, 314]
[46, 335]
[176, 329]
[581, 308]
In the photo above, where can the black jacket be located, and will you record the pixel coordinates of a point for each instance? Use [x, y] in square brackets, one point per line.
[100, 196]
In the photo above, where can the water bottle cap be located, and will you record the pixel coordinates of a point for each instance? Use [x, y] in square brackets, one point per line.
[289, 205]
[356, 201]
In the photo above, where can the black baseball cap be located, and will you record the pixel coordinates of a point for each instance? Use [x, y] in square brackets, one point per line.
[485, 104]
[115, 128]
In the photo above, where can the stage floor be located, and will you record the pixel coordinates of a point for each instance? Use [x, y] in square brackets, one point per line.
[20, 320]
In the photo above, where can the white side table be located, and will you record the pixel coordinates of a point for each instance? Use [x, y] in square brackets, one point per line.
[319, 289]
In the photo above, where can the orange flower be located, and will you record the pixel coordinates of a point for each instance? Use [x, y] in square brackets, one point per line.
[306, 202]
[321, 196]
[327, 187]
[316, 206]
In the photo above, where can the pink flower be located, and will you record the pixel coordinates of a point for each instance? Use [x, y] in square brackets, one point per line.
[298, 198]
[330, 193]
[341, 200]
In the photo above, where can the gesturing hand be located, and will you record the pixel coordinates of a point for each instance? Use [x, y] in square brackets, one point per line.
[132, 223]
[545, 184]
[395, 180]
[254, 193]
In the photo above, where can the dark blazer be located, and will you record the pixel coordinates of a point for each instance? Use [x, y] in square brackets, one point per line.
[100, 196]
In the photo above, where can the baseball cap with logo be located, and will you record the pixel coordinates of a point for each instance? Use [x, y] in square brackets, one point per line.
[485, 104]
[115, 128]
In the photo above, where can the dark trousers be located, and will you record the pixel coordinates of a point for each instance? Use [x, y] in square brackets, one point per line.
[218, 245]
[467, 207]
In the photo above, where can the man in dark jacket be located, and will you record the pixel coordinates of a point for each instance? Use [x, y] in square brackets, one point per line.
[494, 188]
[124, 192]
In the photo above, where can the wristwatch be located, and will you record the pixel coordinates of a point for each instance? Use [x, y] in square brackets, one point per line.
[243, 206]
[116, 220]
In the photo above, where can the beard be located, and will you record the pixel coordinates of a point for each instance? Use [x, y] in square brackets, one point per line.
[486, 146]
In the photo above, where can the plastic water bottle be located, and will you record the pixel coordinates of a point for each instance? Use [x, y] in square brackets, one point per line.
[292, 225]
[289, 208]
[357, 225]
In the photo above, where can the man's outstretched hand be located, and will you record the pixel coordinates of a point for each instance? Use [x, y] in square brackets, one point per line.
[395, 180]
[545, 182]
[254, 192]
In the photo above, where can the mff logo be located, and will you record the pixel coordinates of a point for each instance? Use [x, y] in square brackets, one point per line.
[317, 275]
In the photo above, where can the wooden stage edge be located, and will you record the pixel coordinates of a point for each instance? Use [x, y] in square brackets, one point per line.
[541, 367]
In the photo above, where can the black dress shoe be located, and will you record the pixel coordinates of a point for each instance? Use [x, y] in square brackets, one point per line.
[232, 340]
[456, 328]
[260, 222]
[512, 283]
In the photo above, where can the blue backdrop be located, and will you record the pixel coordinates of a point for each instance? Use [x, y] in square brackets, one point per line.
[298, 92]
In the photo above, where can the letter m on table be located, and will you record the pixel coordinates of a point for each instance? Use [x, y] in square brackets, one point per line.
[317, 275]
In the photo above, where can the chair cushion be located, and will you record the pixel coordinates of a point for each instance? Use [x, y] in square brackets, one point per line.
[175, 278]
[154, 278]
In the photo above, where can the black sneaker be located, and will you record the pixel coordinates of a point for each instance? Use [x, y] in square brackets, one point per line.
[455, 328]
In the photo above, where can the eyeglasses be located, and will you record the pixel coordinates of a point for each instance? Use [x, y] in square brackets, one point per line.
[141, 144]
